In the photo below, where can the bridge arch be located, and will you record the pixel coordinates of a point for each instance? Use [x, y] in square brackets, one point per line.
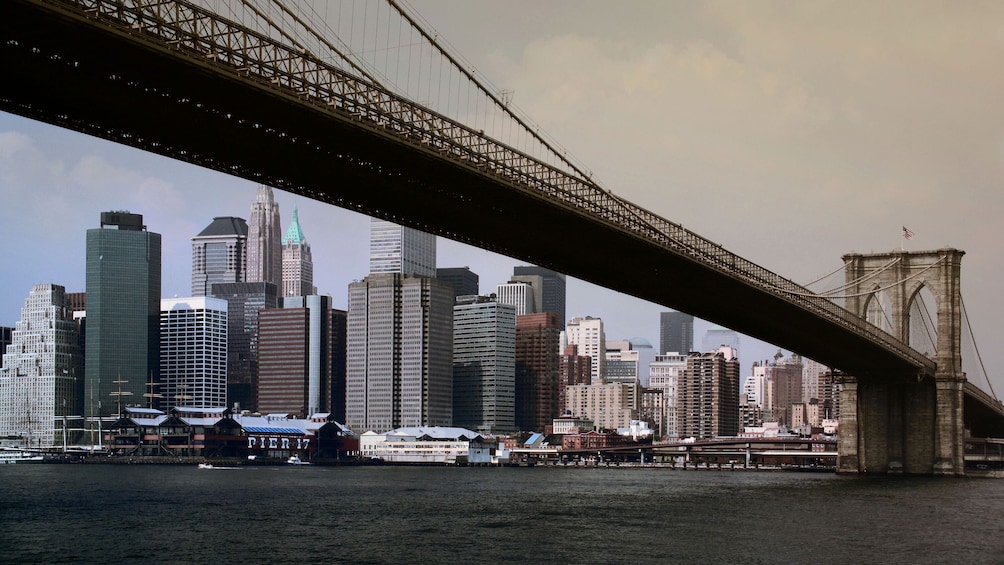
[901, 423]
[922, 320]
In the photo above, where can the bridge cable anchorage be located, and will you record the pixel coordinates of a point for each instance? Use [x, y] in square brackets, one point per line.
[979, 357]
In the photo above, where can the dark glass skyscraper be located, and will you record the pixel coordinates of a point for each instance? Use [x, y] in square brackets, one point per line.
[244, 301]
[123, 311]
[676, 333]
[462, 279]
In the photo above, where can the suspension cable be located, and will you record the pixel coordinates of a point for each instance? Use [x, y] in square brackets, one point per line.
[965, 316]
[860, 279]
[319, 37]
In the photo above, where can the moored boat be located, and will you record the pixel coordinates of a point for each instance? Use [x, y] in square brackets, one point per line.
[10, 455]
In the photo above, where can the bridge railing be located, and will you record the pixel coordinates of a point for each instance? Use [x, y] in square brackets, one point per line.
[194, 32]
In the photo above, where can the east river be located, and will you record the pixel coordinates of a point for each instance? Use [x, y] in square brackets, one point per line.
[181, 514]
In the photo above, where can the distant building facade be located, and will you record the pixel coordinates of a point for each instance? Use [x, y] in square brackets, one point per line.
[573, 369]
[664, 375]
[264, 241]
[41, 379]
[676, 332]
[517, 294]
[548, 287]
[399, 249]
[244, 301]
[219, 254]
[537, 371]
[300, 368]
[587, 334]
[193, 352]
[123, 308]
[462, 279]
[708, 395]
[608, 405]
[484, 365]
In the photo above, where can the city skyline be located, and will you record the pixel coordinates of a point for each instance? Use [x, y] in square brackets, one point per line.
[755, 145]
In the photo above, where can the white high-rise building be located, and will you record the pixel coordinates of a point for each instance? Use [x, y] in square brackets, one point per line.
[41, 379]
[397, 249]
[193, 352]
[587, 334]
[812, 372]
[297, 261]
[264, 242]
[664, 374]
[517, 294]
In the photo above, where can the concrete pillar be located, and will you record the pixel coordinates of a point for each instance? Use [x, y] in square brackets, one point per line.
[848, 460]
[948, 429]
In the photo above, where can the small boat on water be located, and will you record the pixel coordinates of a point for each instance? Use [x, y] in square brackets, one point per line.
[295, 460]
[10, 455]
[205, 465]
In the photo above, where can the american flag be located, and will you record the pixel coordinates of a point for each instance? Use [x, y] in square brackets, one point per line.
[907, 233]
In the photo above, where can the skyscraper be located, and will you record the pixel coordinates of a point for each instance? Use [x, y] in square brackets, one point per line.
[264, 248]
[297, 262]
[397, 249]
[40, 379]
[537, 371]
[676, 333]
[123, 310]
[484, 365]
[193, 352]
[399, 337]
[219, 254]
[300, 371]
[399, 353]
[244, 301]
[708, 395]
[548, 287]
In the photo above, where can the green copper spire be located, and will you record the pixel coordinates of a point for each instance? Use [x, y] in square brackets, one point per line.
[294, 234]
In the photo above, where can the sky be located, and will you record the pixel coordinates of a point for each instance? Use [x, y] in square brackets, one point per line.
[790, 133]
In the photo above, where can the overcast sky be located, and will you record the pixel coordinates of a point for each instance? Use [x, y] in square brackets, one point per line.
[791, 133]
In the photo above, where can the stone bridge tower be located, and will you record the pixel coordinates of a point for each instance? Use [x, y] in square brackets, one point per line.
[906, 423]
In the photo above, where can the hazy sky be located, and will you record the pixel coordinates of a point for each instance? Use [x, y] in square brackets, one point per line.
[789, 132]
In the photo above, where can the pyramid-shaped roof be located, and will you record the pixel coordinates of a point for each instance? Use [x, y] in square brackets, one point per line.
[294, 234]
[226, 225]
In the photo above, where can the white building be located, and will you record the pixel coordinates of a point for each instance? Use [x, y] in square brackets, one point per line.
[664, 373]
[587, 334]
[397, 249]
[607, 405]
[430, 445]
[518, 294]
[39, 381]
[193, 352]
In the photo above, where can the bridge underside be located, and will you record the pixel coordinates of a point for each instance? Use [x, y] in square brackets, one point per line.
[109, 84]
